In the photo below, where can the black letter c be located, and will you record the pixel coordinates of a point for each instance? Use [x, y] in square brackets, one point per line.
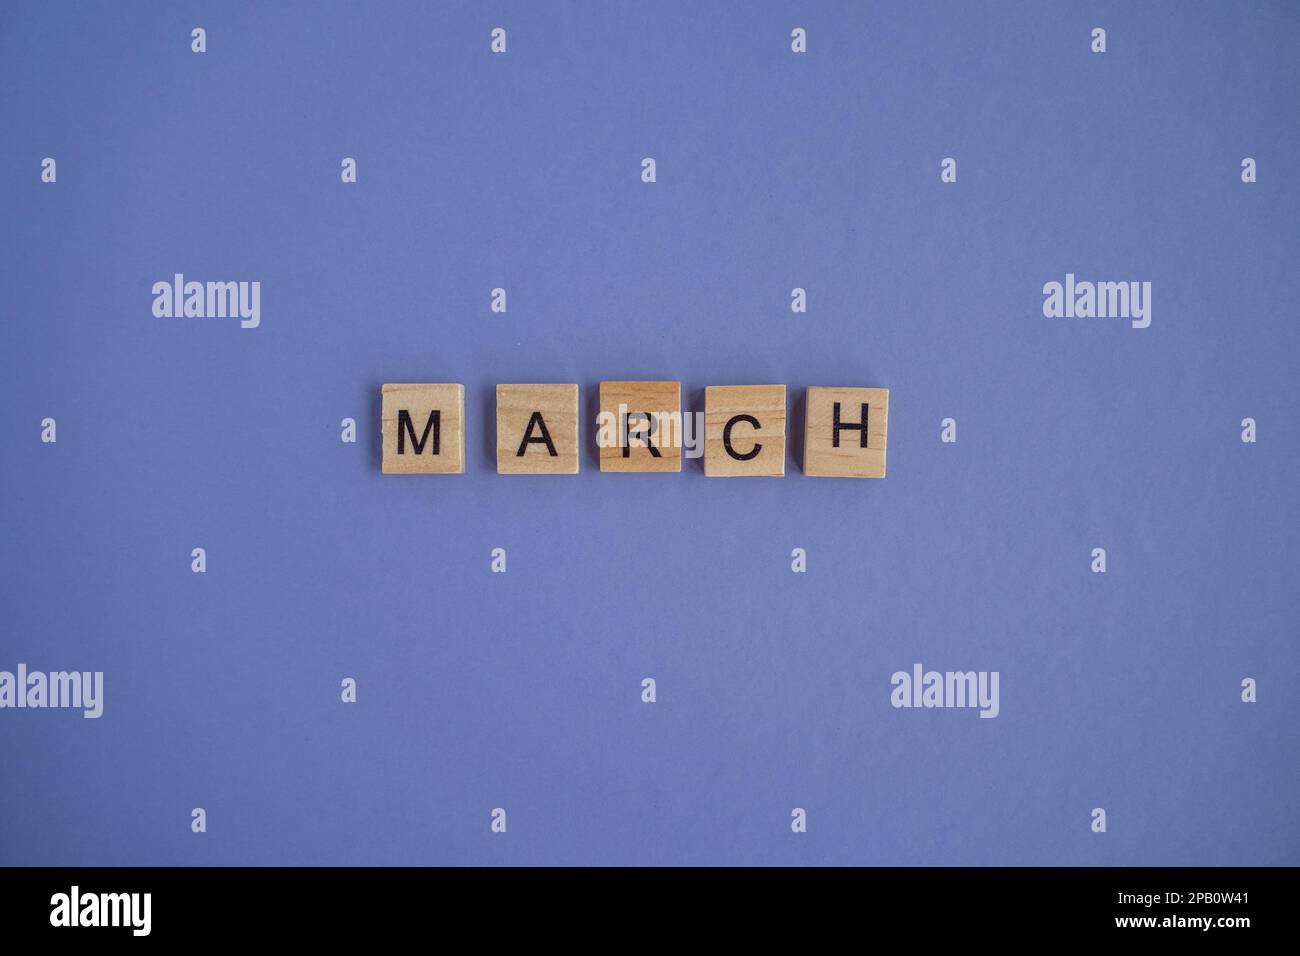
[726, 438]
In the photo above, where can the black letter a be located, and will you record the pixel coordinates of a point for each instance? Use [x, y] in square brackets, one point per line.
[544, 439]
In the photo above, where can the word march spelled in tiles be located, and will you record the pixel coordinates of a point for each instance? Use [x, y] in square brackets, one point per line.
[640, 428]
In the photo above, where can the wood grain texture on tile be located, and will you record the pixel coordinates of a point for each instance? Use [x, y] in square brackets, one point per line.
[537, 429]
[640, 427]
[423, 428]
[744, 430]
[845, 432]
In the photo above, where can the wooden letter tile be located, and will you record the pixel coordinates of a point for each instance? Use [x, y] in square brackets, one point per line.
[537, 429]
[640, 426]
[423, 429]
[846, 431]
[744, 430]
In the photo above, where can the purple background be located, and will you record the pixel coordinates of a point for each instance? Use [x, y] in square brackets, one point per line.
[522, 690]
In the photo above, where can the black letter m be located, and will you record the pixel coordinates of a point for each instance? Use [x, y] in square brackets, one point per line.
[405, 427]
